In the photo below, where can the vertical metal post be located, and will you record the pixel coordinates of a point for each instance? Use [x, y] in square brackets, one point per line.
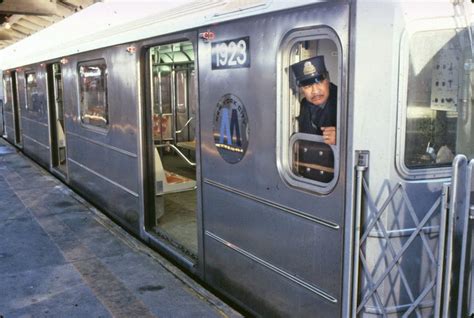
[455, 256]
[361, 167]
[444, 217]
[466, 233]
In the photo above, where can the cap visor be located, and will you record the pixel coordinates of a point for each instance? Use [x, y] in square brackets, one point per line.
[316, 79]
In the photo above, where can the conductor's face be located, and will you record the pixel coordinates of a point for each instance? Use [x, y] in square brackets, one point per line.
[317, 93]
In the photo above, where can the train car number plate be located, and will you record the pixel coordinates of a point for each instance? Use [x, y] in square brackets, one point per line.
[231, 54]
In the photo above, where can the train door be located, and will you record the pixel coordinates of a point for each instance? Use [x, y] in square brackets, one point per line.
[7, 106]
[56, 113]
[172, 222]
[273, 213]
[2, 120]
[16, 110]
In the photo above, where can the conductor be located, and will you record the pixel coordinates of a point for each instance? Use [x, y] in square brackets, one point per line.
[318, 111]
[318, 115]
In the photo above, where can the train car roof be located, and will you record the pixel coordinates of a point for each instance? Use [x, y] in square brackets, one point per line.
[113, 22]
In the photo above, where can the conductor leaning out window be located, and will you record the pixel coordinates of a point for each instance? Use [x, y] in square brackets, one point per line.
[318, 112]
[318, 115]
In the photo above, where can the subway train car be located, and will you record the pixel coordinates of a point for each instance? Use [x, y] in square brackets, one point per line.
[183, 126]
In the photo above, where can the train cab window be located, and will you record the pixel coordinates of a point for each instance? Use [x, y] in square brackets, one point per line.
[34, 103]
[436, 120]
[309, 133]
[93, 93]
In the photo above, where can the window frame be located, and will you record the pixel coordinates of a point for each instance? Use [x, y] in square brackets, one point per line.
[285, 139]
[411, 29]
[93, 62]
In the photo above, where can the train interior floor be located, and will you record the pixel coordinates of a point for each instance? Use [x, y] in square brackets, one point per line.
[61, 257]
[178, 223]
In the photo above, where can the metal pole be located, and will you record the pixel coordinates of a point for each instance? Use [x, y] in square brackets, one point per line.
[362, 165]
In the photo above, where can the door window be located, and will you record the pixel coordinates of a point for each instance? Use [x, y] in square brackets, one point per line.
[8, 89]
[93, 103]
[34, 98]
[310, 124]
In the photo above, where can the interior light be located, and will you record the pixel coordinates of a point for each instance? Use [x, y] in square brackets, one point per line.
[7, 26]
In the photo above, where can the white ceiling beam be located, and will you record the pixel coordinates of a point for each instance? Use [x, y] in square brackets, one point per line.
[39, 21]
[22, 29]
[27, 23]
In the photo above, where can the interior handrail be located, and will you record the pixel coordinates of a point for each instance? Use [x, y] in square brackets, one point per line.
[187, 123]
[189, 162]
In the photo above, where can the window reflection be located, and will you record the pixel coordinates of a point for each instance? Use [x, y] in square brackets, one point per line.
[34, 98]
[93, 93]
[435, 86]
[8, 89]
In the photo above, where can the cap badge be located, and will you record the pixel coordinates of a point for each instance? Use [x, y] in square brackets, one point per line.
[309, 68]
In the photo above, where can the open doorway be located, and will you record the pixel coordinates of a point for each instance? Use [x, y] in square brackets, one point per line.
[173, 101]
[56, 113]
[16, 109]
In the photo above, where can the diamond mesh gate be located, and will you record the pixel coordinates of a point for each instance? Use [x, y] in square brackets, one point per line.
[407, 249]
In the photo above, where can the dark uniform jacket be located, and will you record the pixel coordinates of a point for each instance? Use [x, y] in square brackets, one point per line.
[316, 160]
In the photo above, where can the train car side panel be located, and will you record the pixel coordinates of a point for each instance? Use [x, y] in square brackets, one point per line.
[257, 227]
[34, 111]
[101, 136]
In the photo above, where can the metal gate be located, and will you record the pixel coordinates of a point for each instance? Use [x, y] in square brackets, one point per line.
[420, 270]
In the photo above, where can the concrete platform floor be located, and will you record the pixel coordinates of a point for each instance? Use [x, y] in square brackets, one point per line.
[60, 257]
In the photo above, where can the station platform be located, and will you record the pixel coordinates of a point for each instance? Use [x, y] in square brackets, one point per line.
[61, 257]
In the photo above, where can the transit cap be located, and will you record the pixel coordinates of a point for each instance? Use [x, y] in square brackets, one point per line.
[309, 71]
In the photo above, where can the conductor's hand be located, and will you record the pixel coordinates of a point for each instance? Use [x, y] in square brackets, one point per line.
[329, 135]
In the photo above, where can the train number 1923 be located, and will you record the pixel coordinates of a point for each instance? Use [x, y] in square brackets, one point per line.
[231, 54]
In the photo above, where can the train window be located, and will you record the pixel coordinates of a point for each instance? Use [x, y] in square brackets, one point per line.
[34, 103]
[8, 89]
[93, 93]
[436, 80]
[309, 132]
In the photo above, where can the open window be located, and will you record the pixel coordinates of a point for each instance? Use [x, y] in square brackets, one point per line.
[308, 159]
[437, 118]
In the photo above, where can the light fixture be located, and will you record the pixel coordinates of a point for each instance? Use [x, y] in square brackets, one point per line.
[7, 26]
[207, 36]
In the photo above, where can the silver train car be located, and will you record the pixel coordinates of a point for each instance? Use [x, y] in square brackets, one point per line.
[183, 127]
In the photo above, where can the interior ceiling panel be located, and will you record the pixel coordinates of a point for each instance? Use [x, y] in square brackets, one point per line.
[22, 18]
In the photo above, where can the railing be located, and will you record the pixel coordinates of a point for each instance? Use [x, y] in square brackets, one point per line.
[189, 162]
